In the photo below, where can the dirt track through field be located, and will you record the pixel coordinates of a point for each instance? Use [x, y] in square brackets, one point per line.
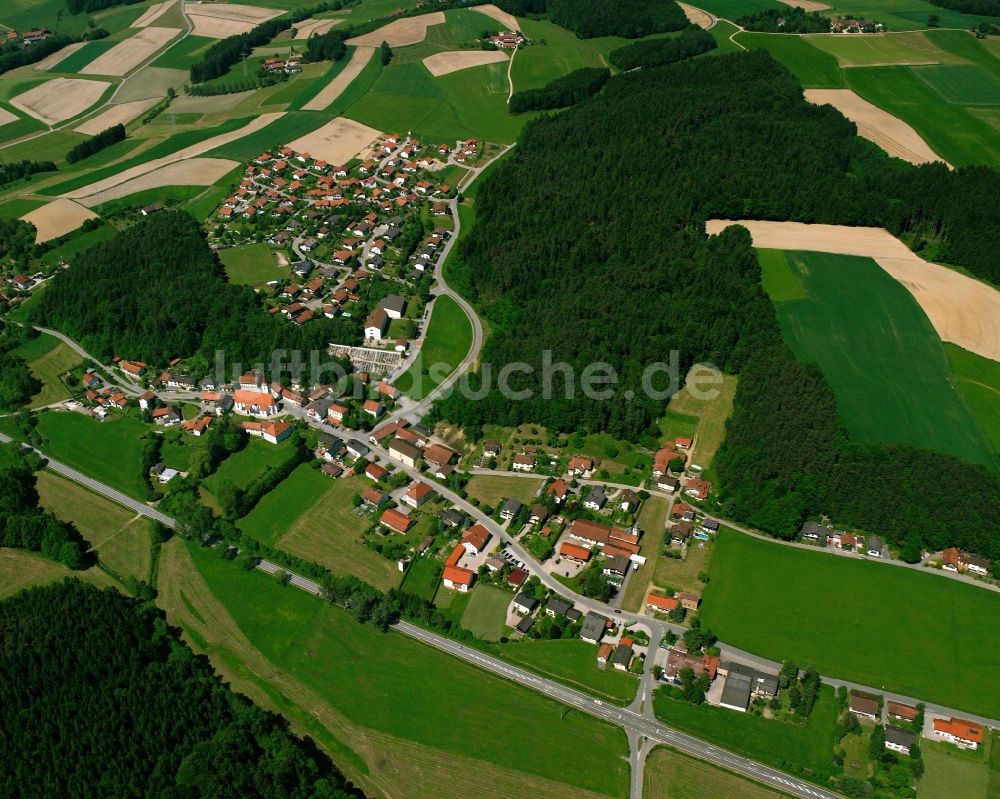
[127, 55]
[400, 32]
[446, 63]
[962, 310]
[120, 113]
[310, 27]
[509, 21]
[47, 63]
[60, 99]
[337, 142]
[221, 21]
[697, 17]
[890, 133]
[57, 218]
[181, 155]
[153, 13]
[194, 172]
[359, 58]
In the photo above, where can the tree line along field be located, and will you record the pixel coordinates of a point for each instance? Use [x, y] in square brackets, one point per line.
[356, 673]
[876, 348]
[921, 635]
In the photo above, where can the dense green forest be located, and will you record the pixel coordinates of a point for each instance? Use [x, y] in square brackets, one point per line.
[660, 52]
[785, 20]
[621, 279]
[17, 240]
[17, 385]
[327, 46]
[16, 170]
[985, 8]
[25, 526]
[157, 292]
[632, 19]
[100, 698]
[561, 92]
[90, 6]
[95, 144]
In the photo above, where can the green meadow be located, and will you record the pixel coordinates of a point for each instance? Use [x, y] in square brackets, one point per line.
[251, 264]
[858, 620]
[109, 451]
[876, 348]
[448, 339]
[554, 52]
[278, 509]
[445, 704]
[978, 381]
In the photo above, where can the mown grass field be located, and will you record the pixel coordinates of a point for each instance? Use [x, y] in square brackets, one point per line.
[356, 671]
[251, 264]
[554, 52]
[815, 68]
[670, 775]
[447, 342]
[803, 749]
[96, 517]
[574, 663]
[879, 353]
[711, 413]
[491, 489]
[950, 773]
[24, 15]
[278, 509]
[882, 49]
[129, 552]
[327, 533]
[486, 612]
[962, 84]
[109, 451]
[934, 622]
[48, 358]
[20, 569]
[978, 381]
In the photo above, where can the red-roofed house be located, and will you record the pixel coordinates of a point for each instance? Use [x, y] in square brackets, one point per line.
[962, 733]
[663, 604]
[574, 552]
[476, 539]
[699, 489]
[559, 489]
[254, 403]
[396, 521]
[439, 454]
[272, 432]
[580, 465]
[417, 494]
[375, 472]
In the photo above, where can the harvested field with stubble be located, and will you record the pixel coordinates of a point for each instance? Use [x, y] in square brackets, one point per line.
[446, 63]
[127, 55]
[890, 133]
[60, 99]
[57, 218]
[337, 142]
[6, 117]
[46, 64]
[359, 58]
[697, 17]
[153, 13]
[508, 21]
[192, 172]
[118, 114]
[806, 5]
[218, 21]
[314, 27]
[181, 155]
[400, 32]
[962, 310]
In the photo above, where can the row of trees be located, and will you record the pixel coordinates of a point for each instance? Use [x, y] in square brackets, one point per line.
[982, 8]
[567, 90]
[327, 46]
[785, 20]
[16, 170]
[95, 144]
[17, 384]
[156, 292]
[83, 665]
[244, 85]
[222, 55]
[660, 52]
[565, 281]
